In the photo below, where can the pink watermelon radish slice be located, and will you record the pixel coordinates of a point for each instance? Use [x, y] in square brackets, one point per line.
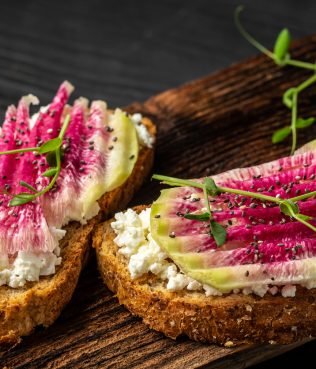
[263, 246]
[100, 150]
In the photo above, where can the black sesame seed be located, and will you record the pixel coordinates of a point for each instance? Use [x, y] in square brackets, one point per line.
[114, 139]
[247, 273]
[91, 147]
[172, 235]
[253, 205]
[81, 169]
[312, 176]
[111, 147]
[280, 168]
[195, 199]
[157, 216]
[6, 140]
[131, 157]
[89, 126]
[109, 129]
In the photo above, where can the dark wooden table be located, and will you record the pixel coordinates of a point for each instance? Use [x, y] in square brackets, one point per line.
[125, 51]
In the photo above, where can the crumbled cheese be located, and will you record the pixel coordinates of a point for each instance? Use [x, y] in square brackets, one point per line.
[288, 291]
[211, 291]
[136, 243]
[260, 290]
[28, 266]
[144, 137]
[273, 290]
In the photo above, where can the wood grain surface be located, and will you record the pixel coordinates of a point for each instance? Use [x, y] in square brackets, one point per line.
[207, 126]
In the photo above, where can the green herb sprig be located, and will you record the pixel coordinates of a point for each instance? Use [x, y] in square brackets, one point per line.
[53, 151]
[282, 57]
[288, 207]
[217, 231]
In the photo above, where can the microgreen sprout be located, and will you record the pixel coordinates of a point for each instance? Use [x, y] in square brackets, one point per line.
[282, 57]
[50, 148]
[287, 207]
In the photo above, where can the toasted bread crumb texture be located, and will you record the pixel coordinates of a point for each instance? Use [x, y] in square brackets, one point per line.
[228, 320]
[40, 303]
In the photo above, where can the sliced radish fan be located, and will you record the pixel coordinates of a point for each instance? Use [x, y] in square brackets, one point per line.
[87, 165]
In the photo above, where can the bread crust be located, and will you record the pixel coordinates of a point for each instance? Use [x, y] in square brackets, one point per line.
[228, 320]
[40, 303]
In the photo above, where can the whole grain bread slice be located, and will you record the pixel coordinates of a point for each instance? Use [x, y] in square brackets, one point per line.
[227, 320]
[40, 303]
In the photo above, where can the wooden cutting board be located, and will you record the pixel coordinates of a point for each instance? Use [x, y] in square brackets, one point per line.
[207, 126]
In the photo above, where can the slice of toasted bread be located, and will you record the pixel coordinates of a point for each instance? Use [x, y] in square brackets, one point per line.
[40, 303]
[228, 320]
